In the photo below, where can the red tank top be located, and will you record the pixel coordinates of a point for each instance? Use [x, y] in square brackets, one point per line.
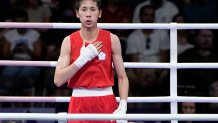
[99, 71]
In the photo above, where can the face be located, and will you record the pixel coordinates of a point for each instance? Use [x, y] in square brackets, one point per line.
[204, 39]
[188, 108]
[147, 15]
[88, 13]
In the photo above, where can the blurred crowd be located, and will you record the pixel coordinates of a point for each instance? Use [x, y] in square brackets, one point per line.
[139, 45]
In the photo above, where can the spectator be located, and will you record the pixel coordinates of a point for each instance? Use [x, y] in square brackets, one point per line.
[37, 12]
[146, 45]
[21, 44]
[200, 78]
[182, 35]
[189, 108]
[164, 10]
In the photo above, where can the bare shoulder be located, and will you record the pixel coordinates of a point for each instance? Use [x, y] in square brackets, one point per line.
[114, 39]
[66, 39]
[65, 42]
[65, 46]
[116, 46]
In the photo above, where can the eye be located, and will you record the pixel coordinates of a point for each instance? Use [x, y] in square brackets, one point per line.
[83, 9]
[93, 9]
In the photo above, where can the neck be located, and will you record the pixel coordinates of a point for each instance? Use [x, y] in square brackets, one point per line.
[89, 35]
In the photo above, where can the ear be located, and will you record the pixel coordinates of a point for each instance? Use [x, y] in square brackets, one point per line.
[77, 15]
[100, 13]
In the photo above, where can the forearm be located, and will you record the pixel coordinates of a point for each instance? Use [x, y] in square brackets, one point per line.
[123, 85]
[62, 76]
[123, 90]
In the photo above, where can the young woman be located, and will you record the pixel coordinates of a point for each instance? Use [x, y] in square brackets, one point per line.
[85, 62]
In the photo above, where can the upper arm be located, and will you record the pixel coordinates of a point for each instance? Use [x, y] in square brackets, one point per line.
[64, 58]
[117, 56]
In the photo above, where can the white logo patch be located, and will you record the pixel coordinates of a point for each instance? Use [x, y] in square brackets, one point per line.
[101, 56]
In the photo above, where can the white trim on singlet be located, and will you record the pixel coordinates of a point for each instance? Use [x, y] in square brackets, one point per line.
[87, 92]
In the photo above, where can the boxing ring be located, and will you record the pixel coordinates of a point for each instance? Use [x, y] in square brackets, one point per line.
[173, 65]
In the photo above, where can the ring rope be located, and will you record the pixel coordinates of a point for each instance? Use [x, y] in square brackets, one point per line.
[126, 64]
[173, 63]
[138, 117]
[130, 99]
[111, 25]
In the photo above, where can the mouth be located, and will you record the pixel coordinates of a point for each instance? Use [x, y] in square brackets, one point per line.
[88, 22]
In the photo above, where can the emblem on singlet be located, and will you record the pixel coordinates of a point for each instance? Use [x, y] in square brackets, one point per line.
[101, 56]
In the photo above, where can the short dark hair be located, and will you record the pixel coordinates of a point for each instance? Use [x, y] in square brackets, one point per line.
[145, 7]
[78, 3]
[179, 15]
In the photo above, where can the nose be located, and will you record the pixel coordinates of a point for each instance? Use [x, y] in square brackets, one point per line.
[188, 111]
[88, 13]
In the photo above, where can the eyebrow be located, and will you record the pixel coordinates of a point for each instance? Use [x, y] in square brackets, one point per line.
[89, 7]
